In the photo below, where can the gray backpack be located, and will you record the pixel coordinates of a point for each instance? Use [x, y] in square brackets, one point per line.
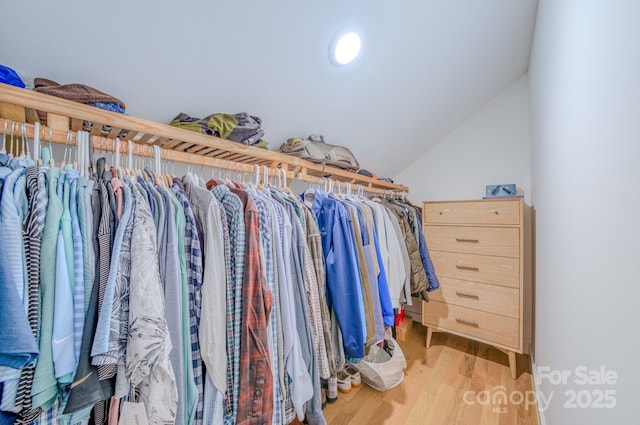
[316, 150]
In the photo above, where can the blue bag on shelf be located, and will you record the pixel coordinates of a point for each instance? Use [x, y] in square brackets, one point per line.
[9, 76]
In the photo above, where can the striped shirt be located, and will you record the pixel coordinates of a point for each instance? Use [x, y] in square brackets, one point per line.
[313, 294]
[109, 341]
[234, 211]
[194, 277]
[104, 245]
[33, 227]
[78, 267]
[283, 274]
[317, 257]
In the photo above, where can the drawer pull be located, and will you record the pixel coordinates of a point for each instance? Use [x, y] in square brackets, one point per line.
[496, 212]
[463, 295]
[467, 322]
[473, 269]
[467, 240]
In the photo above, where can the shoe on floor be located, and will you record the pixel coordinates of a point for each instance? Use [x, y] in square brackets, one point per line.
[356, 378]
[344, 381]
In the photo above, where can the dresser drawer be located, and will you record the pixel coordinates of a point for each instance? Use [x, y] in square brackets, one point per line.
[465, 321]
[501, 212]
[502, 271]
[499, 241]
[479, 296]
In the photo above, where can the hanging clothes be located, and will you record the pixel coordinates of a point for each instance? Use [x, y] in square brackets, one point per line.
[222, 304]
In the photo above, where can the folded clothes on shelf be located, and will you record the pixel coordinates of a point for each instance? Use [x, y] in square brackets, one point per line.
[80, 93]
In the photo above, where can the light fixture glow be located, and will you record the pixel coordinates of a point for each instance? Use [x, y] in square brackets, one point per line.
[346, 48]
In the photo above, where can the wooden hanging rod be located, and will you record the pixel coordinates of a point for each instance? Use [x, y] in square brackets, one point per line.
[48, 134]
[61, 114]
[68, 137]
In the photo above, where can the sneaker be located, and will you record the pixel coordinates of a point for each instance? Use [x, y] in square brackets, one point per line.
[356, 378]
[332, 389]
[344, 381]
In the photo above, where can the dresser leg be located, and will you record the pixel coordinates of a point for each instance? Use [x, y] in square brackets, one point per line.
[512, 364]
[429, 333]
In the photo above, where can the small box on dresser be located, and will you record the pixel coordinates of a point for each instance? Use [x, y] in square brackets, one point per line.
[477, 251]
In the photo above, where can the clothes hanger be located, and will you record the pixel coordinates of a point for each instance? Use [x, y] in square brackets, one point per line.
[148, 169]
[238, 176]
[228, 177]
[66, 152]
[46, 153]
[200, 179]
[117, 160]
[108, 154]
[26, 150]
[284, 186]
[173, 161]
[76, 161]
[36, 143]
[169, 167]
[130, 161]
[256, 182]
[163, 171]
[82, 144]
[156, 165]
[80, 153]
[3, 149]
[11, 141]
[141, 165]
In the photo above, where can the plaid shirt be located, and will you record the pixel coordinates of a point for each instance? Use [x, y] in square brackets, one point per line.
[317, 256]
[315, 312]
[233, 209]
[312, 295]
[194, 278]
[283, 274]
[267, 221]
[255, 397]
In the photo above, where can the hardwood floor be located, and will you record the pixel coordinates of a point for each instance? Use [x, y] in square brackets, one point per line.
[436, 384]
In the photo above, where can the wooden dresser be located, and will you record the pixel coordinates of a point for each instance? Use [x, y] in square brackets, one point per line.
[477, 251]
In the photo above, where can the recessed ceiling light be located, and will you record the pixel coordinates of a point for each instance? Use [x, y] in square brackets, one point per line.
[344, 47]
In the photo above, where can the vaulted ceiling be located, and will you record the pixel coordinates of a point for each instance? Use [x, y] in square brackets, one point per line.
[426, 65]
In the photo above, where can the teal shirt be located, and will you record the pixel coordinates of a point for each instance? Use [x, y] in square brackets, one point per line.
[190, 388]
[45, 385]
[63, 347]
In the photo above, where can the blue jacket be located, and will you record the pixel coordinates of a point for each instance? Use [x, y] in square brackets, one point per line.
[343, 279]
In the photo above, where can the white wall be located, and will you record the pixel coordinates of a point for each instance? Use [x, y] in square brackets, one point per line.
[423, 67]
[585, 104]
[490, 147]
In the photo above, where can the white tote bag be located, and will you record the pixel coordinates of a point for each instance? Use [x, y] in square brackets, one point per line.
[383, 371]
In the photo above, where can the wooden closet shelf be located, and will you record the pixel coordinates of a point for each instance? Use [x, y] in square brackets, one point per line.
[61, 115]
